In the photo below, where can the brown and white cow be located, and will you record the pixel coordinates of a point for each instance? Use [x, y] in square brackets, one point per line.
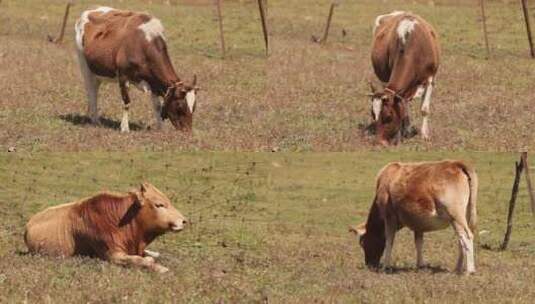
[113, 227]
[130, 48]
[424, 197]
[405, 57]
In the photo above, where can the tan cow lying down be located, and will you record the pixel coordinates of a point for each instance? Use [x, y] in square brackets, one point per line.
[425, 197]
[114, 227]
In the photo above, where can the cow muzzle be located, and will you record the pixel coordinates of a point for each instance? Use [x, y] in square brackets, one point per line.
[178, 225]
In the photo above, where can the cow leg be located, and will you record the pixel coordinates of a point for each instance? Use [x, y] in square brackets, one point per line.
[124, 259]
[92, 85]
[460, 260]
[390, 233]
[466, 242]
[425, 109]
[157, 107]
[419, 242]
[126, 100]
[151, 253]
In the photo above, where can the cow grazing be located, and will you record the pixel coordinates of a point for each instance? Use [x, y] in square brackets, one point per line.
[130, 48]
[113, 227]
[405, 57]
[424, 197]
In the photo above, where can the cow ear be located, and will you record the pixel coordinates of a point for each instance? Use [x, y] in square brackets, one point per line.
[359, 230]
[145, 186]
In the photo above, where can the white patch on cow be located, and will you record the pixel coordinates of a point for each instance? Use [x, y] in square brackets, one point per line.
[377, 104]
[190, 99]
[419, 92]
[152, 29]
[143, 86]
[79, 28]
[380, 17]
[405, 27]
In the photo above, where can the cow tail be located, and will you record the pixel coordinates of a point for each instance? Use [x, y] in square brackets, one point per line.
[473, 184]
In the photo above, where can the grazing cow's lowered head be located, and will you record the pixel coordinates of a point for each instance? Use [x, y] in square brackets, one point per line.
[373, 244]
[389, 113]
[179, 105]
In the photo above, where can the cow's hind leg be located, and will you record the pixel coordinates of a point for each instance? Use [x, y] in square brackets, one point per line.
[419, 242]
[92, 85]
[426, 102]
[147, 262]
[466, 246]
[126, 100]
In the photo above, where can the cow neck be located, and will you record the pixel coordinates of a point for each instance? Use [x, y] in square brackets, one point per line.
[375, 224]
[163, 81]
[163, 73]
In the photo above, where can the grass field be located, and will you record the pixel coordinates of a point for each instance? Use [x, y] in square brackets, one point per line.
[303, 97]
[268, 228]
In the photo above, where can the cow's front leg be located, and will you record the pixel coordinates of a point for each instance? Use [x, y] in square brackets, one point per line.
[157, 110]
[390, 233]
[147, 262]
[425, 109]
[419, 242]
[126, 101]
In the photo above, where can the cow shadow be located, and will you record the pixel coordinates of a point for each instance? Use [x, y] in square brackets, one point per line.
[426, 268]
[105, 122]
[371, 130]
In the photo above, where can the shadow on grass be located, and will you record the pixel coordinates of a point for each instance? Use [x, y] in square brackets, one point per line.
[83, 120]
[371, 130]
[426, 268]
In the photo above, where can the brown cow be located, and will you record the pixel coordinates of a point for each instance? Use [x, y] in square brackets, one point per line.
[424, 197]
[130, 47]
[114, 227]
[405, 57]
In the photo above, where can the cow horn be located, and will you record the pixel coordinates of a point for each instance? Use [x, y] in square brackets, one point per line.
[194, 82]
[359, 230]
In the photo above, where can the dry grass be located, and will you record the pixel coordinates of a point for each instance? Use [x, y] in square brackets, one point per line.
[303, 97]
[264, 227]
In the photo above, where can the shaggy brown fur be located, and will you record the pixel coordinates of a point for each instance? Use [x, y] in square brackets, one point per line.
[116, 227]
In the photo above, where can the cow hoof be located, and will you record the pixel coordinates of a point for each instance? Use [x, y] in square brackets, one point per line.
[153, 254]
[160, 269]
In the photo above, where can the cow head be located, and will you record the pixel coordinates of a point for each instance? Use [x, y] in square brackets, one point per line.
[156, 213]
[180, 103]
[372, 244]
[388, 113]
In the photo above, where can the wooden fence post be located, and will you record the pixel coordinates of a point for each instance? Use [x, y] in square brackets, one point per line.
[327, 24]
[528, 26]
[59, 39]
[484, 22]
[221, 33]
[264, 24]
[519, 167]
[528, 181]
